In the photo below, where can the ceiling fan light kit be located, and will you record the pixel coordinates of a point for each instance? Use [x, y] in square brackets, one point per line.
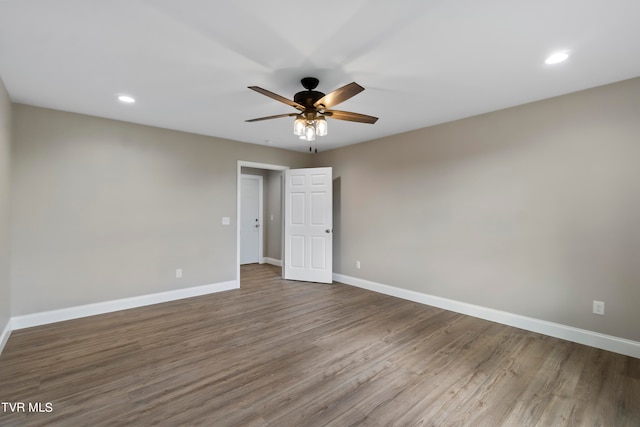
[314, 107]
[307, 130]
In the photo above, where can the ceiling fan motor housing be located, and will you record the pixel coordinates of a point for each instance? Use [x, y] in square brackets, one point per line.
[307, 97]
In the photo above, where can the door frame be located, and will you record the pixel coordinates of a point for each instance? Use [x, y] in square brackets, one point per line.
[260, 212]
[241, 164]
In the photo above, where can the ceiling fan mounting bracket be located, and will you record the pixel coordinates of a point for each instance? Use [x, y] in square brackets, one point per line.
[309, 83]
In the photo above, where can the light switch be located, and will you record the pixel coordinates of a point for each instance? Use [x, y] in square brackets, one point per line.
[226, 220]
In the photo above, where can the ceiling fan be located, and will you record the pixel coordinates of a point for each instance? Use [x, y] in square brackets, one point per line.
[313, 107]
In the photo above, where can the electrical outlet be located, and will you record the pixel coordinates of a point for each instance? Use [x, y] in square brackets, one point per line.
[178, 273]
[598, 308]
[358, 265]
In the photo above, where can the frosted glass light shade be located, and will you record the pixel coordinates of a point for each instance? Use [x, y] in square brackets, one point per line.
[310, 132]
[321, 126]
[299, 126]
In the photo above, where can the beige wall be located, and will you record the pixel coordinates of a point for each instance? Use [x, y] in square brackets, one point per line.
[5, 166]
[273, 215]
[104, 210]
[533, 210]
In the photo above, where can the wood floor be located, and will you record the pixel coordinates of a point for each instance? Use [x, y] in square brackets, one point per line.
[277, 353]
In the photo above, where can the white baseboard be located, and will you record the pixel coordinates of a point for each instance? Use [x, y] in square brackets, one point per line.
[272, 261]
[4, 337]
[43, 318]
[569, 333]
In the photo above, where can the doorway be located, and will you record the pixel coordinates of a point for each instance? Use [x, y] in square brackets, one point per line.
[271, 224]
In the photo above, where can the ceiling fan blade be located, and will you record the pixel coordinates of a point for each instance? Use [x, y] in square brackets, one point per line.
[277, 97]
[272, 117]
[339, 95]
[352, 117]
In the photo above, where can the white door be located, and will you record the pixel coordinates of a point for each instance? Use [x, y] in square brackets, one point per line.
[308, 225]
[250, 219]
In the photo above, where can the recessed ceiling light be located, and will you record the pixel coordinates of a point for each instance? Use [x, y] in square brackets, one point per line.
[126, 98]
[557, 57]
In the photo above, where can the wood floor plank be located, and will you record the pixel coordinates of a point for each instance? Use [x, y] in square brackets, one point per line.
[281, 353]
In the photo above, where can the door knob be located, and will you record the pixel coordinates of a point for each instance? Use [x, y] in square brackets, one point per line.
[328, 231]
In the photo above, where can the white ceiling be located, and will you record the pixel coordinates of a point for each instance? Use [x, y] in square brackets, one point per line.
[188, 63]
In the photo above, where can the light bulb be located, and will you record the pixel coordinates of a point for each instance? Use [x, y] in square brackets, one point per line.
[321, 126]
[298, 126]
[310, 132]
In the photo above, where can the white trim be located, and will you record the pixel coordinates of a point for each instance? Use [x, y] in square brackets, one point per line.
[4, 337]
[255, 165]
[272, 261]
[46, 317]
[569, 333]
